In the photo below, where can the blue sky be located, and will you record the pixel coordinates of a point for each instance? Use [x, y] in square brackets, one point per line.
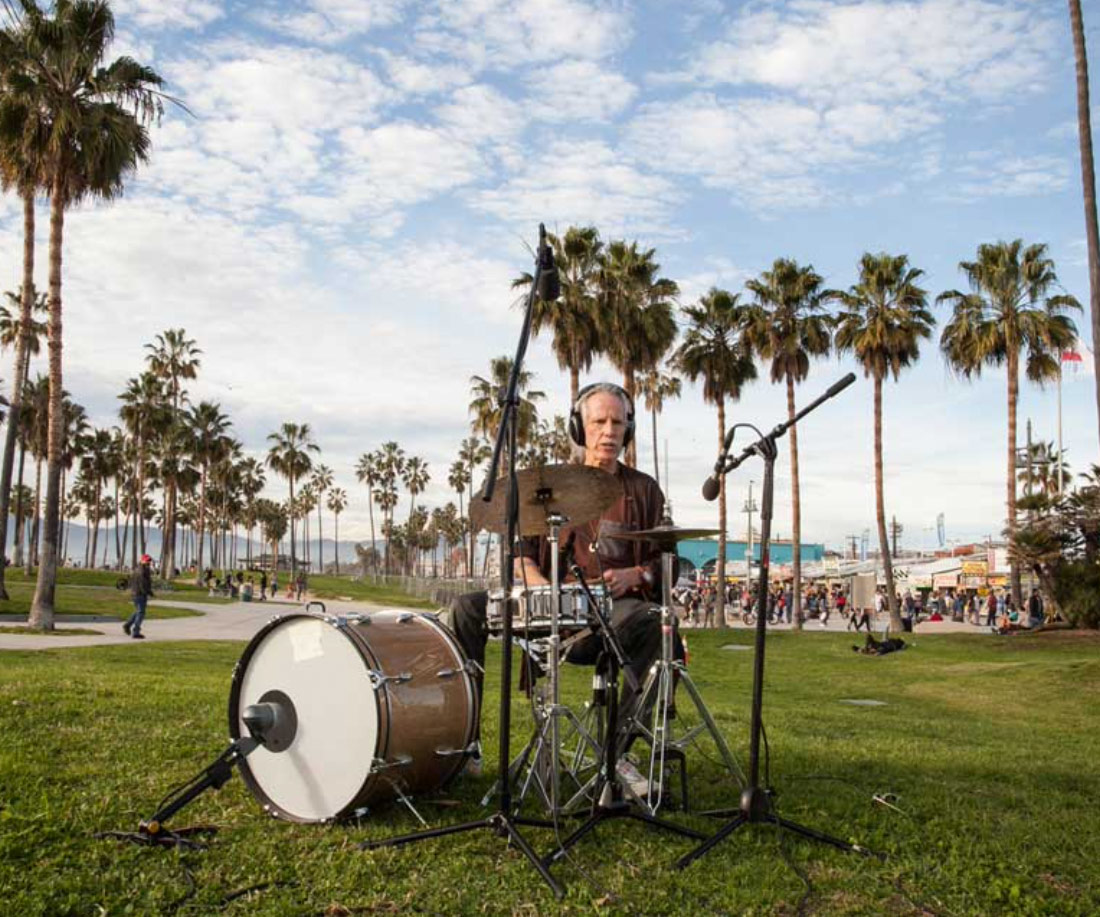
[339, 221]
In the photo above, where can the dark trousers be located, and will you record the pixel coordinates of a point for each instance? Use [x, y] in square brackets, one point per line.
[636, 621]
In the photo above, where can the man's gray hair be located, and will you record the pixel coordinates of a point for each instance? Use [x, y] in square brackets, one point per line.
[612, 389]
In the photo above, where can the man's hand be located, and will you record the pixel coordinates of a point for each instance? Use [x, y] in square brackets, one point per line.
[622, 581]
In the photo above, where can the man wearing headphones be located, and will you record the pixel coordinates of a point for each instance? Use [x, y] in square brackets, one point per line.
[602, 422]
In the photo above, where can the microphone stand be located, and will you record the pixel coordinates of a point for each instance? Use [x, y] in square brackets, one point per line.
[503, 822]
[755, 804]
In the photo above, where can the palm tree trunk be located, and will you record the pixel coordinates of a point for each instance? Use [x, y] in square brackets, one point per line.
[574, 382]
[293, 558]
[336, 525]
[118, 545]
[461, 516]
[32, 541]
[370, 512]
[20, 510]
[22, 352]
[320, 551]
[656, 457]
[796, 516]
[720, 567]
[631, 457]
[95, 528]
[202, 522]
[1088, 182]
[472, 534]
[1013, 398]
[880, 514]
[41, 613]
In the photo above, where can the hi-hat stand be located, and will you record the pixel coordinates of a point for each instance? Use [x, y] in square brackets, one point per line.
[755, 805]
[504, 822]
[608, 799]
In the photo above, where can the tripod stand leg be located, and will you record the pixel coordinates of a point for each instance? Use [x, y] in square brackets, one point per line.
[665, 825]
[712, 727]
[447, 830]
[516, 838]
[814, 835]
[727, 829]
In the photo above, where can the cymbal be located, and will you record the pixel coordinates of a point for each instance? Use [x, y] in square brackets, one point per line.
[578, 492]
[666, 535]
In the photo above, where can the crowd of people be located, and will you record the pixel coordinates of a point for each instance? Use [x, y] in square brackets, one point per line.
[253, 585]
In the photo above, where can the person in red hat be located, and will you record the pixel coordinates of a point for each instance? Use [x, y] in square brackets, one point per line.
[141, 587]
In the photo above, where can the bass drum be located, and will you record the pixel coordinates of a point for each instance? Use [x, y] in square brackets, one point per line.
[371, 706]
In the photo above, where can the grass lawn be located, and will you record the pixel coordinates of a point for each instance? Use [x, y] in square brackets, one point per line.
[333, 587]
[991, 745]
[89, 600]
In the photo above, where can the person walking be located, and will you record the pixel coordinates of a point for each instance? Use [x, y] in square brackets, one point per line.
[991, 610]
[141, 587]
[299, 586]
[1034, 609]
[263, 585]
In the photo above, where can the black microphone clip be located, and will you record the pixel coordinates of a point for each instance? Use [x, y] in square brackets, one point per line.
[549, 281]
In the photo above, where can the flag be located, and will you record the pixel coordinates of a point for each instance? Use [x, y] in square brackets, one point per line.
[1071, 356]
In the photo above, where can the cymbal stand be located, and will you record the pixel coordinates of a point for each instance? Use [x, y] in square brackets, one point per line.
[659, 688]
[608, 800]
[545, 768]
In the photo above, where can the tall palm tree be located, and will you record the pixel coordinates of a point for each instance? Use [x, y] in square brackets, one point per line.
[485, 405]
[208, 436]
[1088, 182]
[76, 431]
[26, 344]
[368, 472]
[38, 402]
[320, 481]
[790, 327]
[173, 452]
[289, 457]
[637, 323]
[97, 467]
[572, 318]
[473, 453]
[656, 387]
[337, 503]
[1007, 313]
[94, 116]
[145, 412]
[458, 477]
[391, 466]
[716, 350]
[252, 481]
[416, 477]
[885, 316]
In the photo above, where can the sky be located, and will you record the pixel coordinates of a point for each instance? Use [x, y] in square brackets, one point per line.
[338, 216]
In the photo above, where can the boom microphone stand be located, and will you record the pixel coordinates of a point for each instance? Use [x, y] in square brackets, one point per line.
[755, 804]
[504, 823]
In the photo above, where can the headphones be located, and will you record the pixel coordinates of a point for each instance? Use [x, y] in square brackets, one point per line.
[576, 421]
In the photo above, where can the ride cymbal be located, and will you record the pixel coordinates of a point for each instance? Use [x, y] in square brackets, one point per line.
[577, 492]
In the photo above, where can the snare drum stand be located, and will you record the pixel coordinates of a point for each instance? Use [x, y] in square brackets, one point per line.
[544, 749]
[659, 689]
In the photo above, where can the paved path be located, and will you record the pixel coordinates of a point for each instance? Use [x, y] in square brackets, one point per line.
[236, 621]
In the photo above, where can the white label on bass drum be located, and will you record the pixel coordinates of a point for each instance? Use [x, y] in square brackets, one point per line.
[306, 643]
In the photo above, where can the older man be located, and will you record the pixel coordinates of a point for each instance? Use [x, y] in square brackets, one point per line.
[602, 423]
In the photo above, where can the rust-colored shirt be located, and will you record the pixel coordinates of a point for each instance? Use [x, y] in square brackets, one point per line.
[641, 506]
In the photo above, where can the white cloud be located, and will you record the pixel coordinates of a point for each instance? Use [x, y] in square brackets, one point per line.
[332, 21]
[421, 78]
[1010, 176]
[874, 50]
[583, 183]
[157, 14]
[579, 90]
[502, 34]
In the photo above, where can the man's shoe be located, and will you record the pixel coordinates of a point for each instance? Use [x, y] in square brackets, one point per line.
[126, 628]
[138, 636]
[632, 778]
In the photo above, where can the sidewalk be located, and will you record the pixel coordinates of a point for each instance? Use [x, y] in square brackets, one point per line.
[237, 621]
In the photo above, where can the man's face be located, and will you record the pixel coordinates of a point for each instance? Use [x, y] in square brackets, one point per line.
[604, 427]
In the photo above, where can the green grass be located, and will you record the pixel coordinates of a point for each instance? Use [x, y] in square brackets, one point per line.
[990, 744]
[87, 600]
[56, 632]
[335, 587]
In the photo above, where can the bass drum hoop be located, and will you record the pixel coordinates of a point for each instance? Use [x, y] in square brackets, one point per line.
[247, 776]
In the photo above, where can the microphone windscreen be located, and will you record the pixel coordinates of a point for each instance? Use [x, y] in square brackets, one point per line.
[841, 385]
[549, 285]
[711, 486]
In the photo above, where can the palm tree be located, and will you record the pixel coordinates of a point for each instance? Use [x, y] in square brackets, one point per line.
[76, 431]
[789, 327]
[337, 503]
[716, 349]
[173, 453]
[884, 319]
[1088, 181]
[145, 412]
[637, 324]
[573, 317]
[1009, 311]
[38, 402]
[319, 483]
[458, 477]
[472, 452]
[91, 121]
[97, 467]
[485, 404]
[367, 471]
[208, 435]
[655, 387]
[289, 458]
[416, 477]
[252, 480]
[26, 345]
[391, 465]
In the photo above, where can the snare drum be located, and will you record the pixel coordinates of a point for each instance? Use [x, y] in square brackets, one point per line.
[536, 604]
[378, 704]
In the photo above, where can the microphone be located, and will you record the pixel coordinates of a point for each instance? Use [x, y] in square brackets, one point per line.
[549, 281]
[711, 486]
[567, 551]
[838, 387]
